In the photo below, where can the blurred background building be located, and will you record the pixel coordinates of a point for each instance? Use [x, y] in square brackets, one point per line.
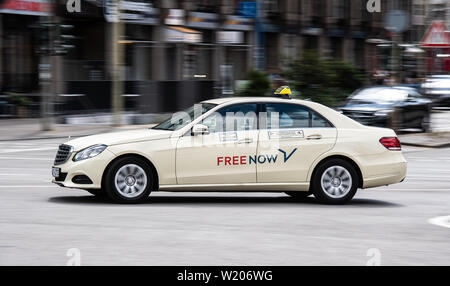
[179, 52]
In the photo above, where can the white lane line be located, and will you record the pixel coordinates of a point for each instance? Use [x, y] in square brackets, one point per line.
[426, 157]
[26, 150]
[27, 158]
[427, 171]
[418, 179]
[22, 174]
[424, 177]
[29, 186]
[407, 189]
[16, 168]
[443, 221]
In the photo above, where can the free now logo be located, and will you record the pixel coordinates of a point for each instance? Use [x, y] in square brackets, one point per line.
[253, 159]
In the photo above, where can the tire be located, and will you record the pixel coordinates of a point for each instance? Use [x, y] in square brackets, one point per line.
[97, 193]
[330, 188]
[299, 195]
[425, 124]
[129, 180]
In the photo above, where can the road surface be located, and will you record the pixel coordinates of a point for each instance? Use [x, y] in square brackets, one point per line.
[41, 223]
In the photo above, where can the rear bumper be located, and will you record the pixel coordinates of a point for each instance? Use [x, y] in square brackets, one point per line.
[384, 170]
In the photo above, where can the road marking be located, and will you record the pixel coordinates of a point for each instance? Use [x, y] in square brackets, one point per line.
[27, 158]
[26, 150]
[424, 177]
[16, 168]
[421, 170]
[443, 221]
[29, 186]
[21, 174]
[406, 189]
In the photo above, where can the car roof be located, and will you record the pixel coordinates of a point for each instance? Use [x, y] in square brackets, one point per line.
[223, 100]
[404, 88]
[387, 87]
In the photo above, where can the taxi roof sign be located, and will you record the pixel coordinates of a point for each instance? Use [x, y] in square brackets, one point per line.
[283, 91]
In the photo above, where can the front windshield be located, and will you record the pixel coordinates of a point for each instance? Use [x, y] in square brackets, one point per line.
[180, 119]
[377, 94]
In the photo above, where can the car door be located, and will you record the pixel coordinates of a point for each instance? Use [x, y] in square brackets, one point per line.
[292, 138]
[220, 157]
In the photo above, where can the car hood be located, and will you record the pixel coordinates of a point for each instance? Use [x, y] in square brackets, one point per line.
[121, 137]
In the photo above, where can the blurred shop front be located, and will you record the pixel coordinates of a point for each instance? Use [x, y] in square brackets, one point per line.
[437, 44]
[172, 58]
[168, 62]
[18, 59]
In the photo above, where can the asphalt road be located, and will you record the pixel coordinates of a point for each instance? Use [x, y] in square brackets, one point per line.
[40, 222]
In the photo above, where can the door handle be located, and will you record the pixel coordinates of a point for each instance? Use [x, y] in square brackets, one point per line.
[228, 137]
[314, 137]
[245, 141]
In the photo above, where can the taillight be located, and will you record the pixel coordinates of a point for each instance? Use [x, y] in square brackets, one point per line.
[391, 143]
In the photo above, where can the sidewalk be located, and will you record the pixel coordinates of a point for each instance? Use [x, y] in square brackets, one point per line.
[430, 140]
[29, 129]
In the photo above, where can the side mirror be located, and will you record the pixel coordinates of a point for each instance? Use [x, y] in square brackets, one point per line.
[200, 129]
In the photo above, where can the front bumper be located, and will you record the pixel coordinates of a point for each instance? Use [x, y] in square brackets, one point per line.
[74, 174]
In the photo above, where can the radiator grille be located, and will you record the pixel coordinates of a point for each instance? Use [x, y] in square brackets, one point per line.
[63, 154]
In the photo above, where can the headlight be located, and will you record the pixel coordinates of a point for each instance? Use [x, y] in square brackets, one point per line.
[383, 112]
[89, 152]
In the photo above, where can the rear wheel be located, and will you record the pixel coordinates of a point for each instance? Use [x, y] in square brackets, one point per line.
[129, 180]
[425, 123]
[335, 182]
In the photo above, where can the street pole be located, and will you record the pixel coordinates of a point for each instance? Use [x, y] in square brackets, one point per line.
[1, 48]
[395, 58]
[45, 78]
[258, 52]
[117, 61]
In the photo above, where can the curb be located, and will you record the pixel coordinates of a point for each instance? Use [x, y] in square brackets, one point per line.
[445, 145]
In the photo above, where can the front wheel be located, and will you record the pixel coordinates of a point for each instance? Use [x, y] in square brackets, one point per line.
[335, 182]
[129, 180]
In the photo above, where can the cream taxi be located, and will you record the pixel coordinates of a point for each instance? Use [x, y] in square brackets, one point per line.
[236, 144]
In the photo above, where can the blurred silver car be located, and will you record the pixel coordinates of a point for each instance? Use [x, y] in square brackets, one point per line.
[378, 105]
[437, 88]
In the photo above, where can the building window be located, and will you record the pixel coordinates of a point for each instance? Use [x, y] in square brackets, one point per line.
[338, 9]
